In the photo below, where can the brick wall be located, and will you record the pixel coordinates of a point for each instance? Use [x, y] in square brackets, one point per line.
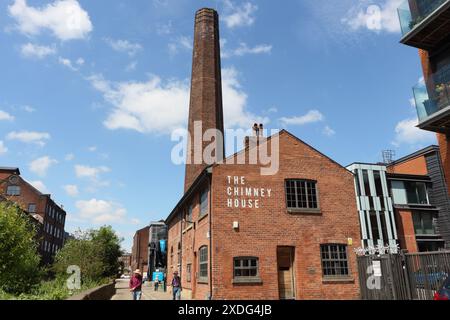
[263, 230]
[405, 229]
[444, 143]
[139, 252]
[416, 166]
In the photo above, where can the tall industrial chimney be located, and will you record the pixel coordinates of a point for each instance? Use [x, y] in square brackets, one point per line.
[206, 92]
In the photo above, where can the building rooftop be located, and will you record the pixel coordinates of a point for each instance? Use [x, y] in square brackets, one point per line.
[13, 170]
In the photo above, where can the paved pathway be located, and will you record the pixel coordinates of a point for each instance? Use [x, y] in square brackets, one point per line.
[148, 293]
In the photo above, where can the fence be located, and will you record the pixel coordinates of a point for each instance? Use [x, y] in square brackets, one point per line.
[413, 276]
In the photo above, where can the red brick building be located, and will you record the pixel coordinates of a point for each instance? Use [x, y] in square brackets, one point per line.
[238, 234]
[139, 252]
[41, 206]
[125, 261]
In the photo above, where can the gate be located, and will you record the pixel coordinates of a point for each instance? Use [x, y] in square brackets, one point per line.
[414, 276]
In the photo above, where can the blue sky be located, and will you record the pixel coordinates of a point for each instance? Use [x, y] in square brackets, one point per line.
[90, 91]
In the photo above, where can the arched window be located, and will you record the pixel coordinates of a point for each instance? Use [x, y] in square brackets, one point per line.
[203, 264]
[171, 255]
[179, 254]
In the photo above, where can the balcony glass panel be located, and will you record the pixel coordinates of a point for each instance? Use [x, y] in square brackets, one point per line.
[433, 94]
[412, 12]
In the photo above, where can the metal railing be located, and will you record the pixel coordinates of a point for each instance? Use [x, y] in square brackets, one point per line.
[412, 12]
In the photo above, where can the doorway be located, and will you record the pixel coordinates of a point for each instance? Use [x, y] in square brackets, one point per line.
[286, 279]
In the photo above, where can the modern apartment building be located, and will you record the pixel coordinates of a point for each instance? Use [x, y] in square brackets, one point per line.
[425, 25]
[403, 203]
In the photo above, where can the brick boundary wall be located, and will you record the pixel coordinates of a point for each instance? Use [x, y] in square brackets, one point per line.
[104, 292]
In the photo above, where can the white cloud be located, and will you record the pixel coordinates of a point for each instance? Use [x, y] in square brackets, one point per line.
[30, 50]
[406, 132]
[311, 117]
[29, 109]
[239, 15]
[151, 107]
[235, 102]
[67, 63]
[93, 175]
[71, 190]
[244, 49]
[181, 43]
[66, 19]
[90, 172]
[101, 211]
[39, 185]
[131, 66]
[29, 137]
[124, 46]
[80, 61]
[3, 148]
[5, 116]
[329, 132]
[92, 149]
[41, 165]
[69, 157]
[160, 107]
[366, 15]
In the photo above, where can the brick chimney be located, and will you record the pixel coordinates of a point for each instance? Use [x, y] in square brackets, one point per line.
[206, 91]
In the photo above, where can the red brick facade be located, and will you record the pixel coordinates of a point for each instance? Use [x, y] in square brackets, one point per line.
[267, 226]
[444, 146]
[139, 252]
[45, 210]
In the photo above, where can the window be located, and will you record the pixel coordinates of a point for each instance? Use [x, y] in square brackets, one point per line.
[416, 192]
[189, 215]
[378, 184]
[301, 194]
[188, 272]
[179, 254]
[245, 267]
[204, 203]
[13, 191]
[171, 256]
[409, 192]
[334, 260]
[203, 264]
[32, 208]
[425, 223]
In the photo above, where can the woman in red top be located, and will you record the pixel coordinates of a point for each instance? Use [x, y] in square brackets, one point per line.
[136, 285]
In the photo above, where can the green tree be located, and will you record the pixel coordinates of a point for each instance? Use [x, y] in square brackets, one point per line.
[109, 245]
[19, 260]
[83, 253]
[96, 252]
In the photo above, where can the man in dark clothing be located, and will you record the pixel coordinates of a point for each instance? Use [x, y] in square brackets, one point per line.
[176, 286]
[136, 285]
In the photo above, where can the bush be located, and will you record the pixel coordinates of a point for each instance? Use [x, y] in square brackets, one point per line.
[19, 259]
[96, 252]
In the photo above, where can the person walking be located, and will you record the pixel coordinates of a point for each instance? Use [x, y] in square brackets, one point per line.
[176, 286]
[136, 285]
[156, 282]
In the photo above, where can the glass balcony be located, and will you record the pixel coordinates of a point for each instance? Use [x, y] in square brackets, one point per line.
[413, 13]
[432, 98]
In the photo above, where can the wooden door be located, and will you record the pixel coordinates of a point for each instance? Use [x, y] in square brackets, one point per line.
[286, 283]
